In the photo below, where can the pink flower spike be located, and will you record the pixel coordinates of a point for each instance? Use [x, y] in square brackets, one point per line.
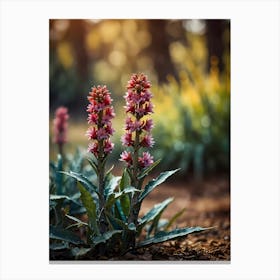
[126, 157]
[60, 125]
[146, 160]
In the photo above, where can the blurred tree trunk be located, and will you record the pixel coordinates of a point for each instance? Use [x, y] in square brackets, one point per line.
[76, 35]
[216, 43]
[159, 49]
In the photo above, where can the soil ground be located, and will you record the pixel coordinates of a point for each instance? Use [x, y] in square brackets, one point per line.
[207, 204]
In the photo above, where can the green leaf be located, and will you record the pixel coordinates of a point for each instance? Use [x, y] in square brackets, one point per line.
[125, 200]
[56, 197]
[110, 185]
[163, 236]
[120, 210]
[155, 182]
[114, 196]
[83, 180]
[64, 235]
[149, 169]
[125, 180]
[80, 252]
[116, 223]
[105, 237]
[155, 211]
[78, 221]
[158, 226]
[59, 246]
[93, 165]
[90, 206]
[174, 218]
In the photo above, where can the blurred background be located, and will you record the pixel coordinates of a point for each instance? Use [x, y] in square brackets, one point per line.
[188, 64]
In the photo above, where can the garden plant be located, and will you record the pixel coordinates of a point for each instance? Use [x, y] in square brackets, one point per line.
[111, 203]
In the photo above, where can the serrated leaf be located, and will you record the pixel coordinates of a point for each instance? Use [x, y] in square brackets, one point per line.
[155, 211]
[149, 169]
[174, 218]
[163, 236]
[105, 237]
[114, 196]
[155, 182]
[78, 221]
[125, 200]
[64, 235]
[83, 180]
[110, 185]
[120, 210]
[90, 206]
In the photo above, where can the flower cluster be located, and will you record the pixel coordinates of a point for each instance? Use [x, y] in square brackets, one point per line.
[60, 125]
[100, 114]
[137, 124]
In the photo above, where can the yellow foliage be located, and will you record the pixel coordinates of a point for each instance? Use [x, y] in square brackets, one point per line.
[64, 53]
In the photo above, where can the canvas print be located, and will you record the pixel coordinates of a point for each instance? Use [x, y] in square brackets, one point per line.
[139, 140]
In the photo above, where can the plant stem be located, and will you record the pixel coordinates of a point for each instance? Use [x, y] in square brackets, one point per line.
[134, 205]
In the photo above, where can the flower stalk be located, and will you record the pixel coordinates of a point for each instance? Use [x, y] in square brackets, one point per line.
[100, 114]
[137, 136]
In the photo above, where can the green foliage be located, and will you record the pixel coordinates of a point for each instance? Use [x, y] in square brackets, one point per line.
[58, 233]
[163, 236]
[118, 195]
[155, 182]
[90, 206]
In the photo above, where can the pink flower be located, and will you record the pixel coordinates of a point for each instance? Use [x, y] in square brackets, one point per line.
[127, 140]
[148, 125]
[91, 133]
[126, 157]
[147, 141]
[131, 125]
[108, 146]
[146, 160]
[102, 134]
[92, 118]
[93, 148]
[108, 115]
[109, 130]
[60, 125]
[100, 115]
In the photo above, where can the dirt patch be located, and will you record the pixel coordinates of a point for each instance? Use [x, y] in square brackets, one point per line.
[208, 205]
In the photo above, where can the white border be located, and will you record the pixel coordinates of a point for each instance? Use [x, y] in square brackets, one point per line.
[254, 130]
